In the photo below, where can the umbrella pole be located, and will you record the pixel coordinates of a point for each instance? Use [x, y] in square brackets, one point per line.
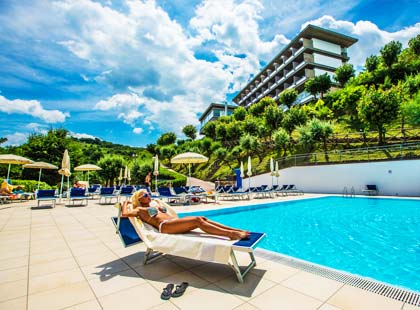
[39, 178]
[88, 177]
[156, 189]
[189, 172]
[8, 172]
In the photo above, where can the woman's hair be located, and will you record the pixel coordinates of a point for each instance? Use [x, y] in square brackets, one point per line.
[135, 198]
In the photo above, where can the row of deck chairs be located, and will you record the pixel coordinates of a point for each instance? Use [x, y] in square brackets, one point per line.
[263, 191]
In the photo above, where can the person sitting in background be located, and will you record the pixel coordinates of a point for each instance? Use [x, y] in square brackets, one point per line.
[6, 188]
[154, 213]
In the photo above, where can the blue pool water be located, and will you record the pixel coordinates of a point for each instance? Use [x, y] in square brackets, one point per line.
[371, 237]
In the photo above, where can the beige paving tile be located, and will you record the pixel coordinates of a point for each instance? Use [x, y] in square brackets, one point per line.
[185, 263]
[210, 297]
[104, 271]
[89, 305]
[349, 297]
[252, 286]
[313, 285]
[52, 267]
[14, 304]
[11, 290]
[329, 307]
[158, 269]
[212, 272]
[280, 297]
[55, 280]
[10, 275]
[275, 271]
[246, 306]
[410, 307]
[42, 258]
[96, 258]
[165, 306]
[142, 296]
[15, 253]
[116, 282]
[64, 296]
[16, 262]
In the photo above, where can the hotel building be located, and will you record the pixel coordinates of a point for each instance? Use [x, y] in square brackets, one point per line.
[313, 52]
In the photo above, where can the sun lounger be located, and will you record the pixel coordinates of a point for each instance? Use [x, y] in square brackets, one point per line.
[46, 195]
[4, 199]
[371, 189]
[106, 195]
[78, 194]
[194, 245]
[165, 193]
[126, 192]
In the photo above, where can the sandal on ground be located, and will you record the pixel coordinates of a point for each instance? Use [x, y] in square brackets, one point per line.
[167, 292]
[180, 289]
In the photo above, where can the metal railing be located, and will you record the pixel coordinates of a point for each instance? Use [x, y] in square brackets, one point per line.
[374, 153]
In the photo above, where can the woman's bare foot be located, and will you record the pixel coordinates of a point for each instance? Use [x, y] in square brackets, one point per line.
[236, 235]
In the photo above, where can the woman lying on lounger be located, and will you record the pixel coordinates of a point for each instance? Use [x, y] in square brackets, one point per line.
[154, 213]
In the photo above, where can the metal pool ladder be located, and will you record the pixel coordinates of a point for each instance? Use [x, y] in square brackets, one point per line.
[347, 193]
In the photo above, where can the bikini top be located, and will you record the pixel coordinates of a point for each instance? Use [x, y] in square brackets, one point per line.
[153, 211]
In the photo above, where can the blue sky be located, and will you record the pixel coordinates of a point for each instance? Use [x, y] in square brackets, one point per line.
[127, 71]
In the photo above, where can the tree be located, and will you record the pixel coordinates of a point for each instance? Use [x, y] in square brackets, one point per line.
[390, 52]
[414, 44]
[320, 131]
[111, 165]
[251, 125]
[379, 108]
[240, 113]
[293, 118]
[319, 84]
[206, 145]
[372, 63]
[209, 130]
[190, 131]
[281, 139]
[273, 117]
[221, 132]
[344, 73]
[257, 109]
[411, 110]
[287, 97]
[2, 140]
[166, 139]
[250, 144]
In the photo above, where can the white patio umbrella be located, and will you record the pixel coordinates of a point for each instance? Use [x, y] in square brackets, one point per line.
[125, 174]
[13, 159]
[120, 177]
[189, 158]
[156, 170]
[277, 174]
[128, 176]
[65, 171]
[272, 170]
[242, 170]
[87, 167]
[249, 172]
[40, 165]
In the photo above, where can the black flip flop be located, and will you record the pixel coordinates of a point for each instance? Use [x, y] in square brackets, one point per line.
[180, 289]
[167, 292]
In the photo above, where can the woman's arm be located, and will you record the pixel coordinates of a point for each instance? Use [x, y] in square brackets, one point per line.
[130, 213]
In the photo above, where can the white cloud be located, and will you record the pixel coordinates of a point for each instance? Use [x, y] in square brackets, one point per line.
[16, 138]
[137, 130]
[82, 135]
[371, 38]
[33, 108]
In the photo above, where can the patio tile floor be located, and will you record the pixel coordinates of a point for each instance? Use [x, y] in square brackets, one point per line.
[71, 258]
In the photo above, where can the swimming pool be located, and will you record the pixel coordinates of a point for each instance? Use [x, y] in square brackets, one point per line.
[371, 237]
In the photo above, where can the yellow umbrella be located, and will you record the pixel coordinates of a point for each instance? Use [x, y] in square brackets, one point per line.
[129, 176]
[120, 177]
[65, 171]
[13, 159]
[40, 165]
[272, 170]
[277, 174]
[87, 167]
[189, 158]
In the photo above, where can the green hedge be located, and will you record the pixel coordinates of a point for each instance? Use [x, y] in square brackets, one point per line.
[30, 185]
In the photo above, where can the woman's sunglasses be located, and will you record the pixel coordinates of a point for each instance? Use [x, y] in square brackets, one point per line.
[146, 195]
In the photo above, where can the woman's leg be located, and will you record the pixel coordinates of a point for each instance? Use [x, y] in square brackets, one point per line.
[187, 224]
[221, 225]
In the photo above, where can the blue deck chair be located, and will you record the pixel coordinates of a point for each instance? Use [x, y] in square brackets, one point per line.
[126, 191]
[93, 190]
[78, 194]
[371, 189]
[106, 195]
[165, 192]
[46, 195]
[293, 190]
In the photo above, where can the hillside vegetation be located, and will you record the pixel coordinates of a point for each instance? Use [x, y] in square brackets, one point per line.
[379, 106]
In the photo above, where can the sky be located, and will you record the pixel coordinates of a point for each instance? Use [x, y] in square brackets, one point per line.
[127, 71]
